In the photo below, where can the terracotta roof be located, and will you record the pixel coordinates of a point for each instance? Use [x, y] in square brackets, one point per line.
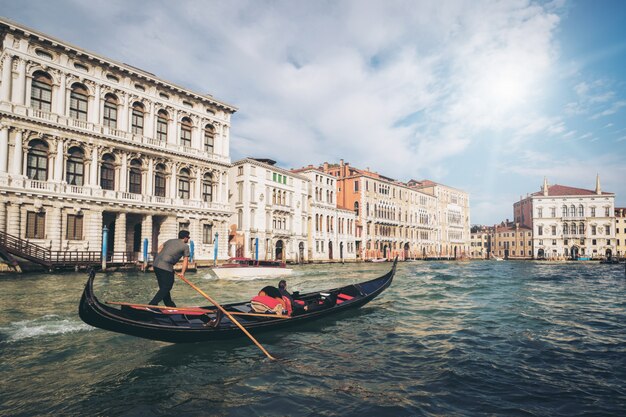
[562, 190]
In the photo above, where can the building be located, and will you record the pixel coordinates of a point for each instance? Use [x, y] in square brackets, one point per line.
[393, 219]
[453, 218]
[88, 143]
[331, 230]
[480, 242]
[569, 222]
[270, 206]
[512, 241]
[620, 231]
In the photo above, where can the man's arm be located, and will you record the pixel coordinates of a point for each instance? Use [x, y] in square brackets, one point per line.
[185, 264]
[160, 248]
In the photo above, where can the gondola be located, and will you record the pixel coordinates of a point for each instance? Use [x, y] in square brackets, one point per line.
[203, 324]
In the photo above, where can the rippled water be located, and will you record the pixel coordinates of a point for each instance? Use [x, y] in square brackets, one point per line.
[446, 339]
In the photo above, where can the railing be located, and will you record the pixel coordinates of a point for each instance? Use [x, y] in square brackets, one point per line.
[25, 249]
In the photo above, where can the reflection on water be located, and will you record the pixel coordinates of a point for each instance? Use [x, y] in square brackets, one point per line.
[478, 338]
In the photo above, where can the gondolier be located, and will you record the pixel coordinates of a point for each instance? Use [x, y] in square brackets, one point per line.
[169, 254]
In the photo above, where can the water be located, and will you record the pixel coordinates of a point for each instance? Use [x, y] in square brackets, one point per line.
[446, 339]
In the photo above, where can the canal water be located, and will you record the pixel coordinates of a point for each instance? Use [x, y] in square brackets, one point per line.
[446, 339]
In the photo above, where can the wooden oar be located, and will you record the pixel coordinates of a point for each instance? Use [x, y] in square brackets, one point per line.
[198, 309]
[216, 304]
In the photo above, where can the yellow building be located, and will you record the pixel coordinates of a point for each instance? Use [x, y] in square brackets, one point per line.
[512, 241]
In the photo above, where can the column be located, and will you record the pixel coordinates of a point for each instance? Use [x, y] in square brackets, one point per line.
[123, 173]
[220, 178]
[54, 226]
[198, 191]
[4, 148]
[93, 168]
[13, 220]
[172, 127]
[95, 111]
[19, 87]
[124, 118]
[16, 168]
[5, 89]
[217, 139]
[92, 229]
[58, 160]
[146, 233]
[148, 128]
[150, 178]
[173, 182]
[225, 145]
[3, 216]
[119, 243]
[61, 95]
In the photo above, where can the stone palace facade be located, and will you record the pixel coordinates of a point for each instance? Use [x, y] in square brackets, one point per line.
[88, 143]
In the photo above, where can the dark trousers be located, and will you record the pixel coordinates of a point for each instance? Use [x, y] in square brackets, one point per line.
[166, 282]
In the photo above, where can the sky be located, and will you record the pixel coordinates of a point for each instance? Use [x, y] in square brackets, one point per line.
[486, 96]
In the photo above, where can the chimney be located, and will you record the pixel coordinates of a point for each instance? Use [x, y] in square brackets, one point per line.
[341, 162]
[545, 186]
[598, 188]
[325, 166]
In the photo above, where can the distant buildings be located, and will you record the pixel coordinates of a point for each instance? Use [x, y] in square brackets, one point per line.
[512, 241]
[620, 231]
[480, 242]
[569, 222]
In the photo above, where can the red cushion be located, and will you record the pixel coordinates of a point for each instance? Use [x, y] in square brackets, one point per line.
[343, 297]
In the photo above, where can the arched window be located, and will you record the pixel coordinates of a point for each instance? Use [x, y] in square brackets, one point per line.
[78, 102]
[134, 177]
[183, 183]
[581, 229]
[107, 172]
[75, 167]
[37, 160]
[207, 187]
[581, 211]
[564, 211]
[41, 92]
[159, 180]
[565, 229]
[185, 132]
[162, 118]
[137, 119]
[356, 208]
[573, 228]
[110, 111]
[209, 138]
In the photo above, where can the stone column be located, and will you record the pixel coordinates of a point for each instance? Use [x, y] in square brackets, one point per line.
[54, 228]
[148, 126]
[119, 244]
[225, 145]
[146, 233]
[173, 182]
[93, 168]
[220, 178]
[198, 190]
[19, 88]
[95, 112]
[217, 139]
[16, 168]
[172, 128]
[92, 229]
[3, 216]
[13, 220]
[123, 173]
[124, 119]
[7, 70]
[58, 161]
[4, 148]
[61, 95]
[150, 177]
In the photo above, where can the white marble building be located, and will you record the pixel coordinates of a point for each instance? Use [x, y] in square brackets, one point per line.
[331, 229]
[569, 222]
[87, 142]
[270, 206]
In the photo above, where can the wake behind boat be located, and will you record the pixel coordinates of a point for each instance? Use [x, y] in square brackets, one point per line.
[250, 268]
[202, 324]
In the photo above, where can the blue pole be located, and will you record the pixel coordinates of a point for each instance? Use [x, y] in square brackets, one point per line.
[145, 250]
[105, 239]
[215, 248]
[191, 250]
[256, 249]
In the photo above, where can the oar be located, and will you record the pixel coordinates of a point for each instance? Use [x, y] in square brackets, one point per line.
[216, 304]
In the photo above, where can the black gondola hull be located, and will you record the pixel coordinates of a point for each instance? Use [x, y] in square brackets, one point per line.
[178, 329]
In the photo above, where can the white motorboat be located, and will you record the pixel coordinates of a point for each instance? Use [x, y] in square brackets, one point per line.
[250, 268]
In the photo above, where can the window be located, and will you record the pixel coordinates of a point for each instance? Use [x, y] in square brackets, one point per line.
[37, 161]
[540, 212]
[593, 212]
[553, 230]
[553, 212]
[607, 230]
[74, 227]
[162, 125]
[209, 138]
[110, 111]
[581, 211]
[565, 229]
[134, 178]
[107, 172]
[35, 225]
[137, 119]
[74, 170]
[607, 212]
[540, 230]
[593, 230]
[78, 102]
[207, 187]
[207, 234]
[159, 180]
[356, 185]
[564, 211]
[41, 92]
[185, 132]
[183, 184]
